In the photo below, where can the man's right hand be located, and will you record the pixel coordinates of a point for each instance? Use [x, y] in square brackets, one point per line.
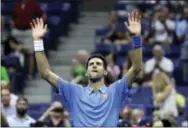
[38, 28]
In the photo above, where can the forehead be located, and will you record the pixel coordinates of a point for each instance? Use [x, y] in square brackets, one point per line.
[94, 60]
[21, 102]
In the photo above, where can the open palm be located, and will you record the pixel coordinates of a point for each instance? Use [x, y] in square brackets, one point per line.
[134, 19]
[38, 28]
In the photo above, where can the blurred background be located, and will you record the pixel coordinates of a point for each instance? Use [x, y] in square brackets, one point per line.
[79, 28]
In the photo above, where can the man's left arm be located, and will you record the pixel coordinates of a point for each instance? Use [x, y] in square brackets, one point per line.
[134, 28]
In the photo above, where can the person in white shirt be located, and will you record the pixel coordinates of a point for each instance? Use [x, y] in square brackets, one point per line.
[163, 26]
[13, 97]
[7, 108]
[158, 63]
[21, 118]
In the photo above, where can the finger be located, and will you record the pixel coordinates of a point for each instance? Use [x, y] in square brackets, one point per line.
[45, 27]
[34, 23]
[140, 18]
[129, 17]
[135, 16]
[41, 22]
[38, 22]
[127, 26]
[32, 27]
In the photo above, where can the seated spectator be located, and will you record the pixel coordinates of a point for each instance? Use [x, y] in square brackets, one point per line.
[125, 117]
[4, 33]
[182, 27]
[147, 32]
[58, 117]
[111, 66]
[27, 10]
[13, 97]
[7, 108]
[78, 67]
[115, 31]
[4, 74]
[127, 65]
[158, 63]
[164, 94]
[13, 47]
[21, 118]
[138, 118]
[163, 26]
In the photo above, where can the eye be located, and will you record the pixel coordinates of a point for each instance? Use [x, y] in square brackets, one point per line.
[90, 64]
[98, 63]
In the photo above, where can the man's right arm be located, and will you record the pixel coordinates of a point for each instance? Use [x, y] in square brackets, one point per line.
[44, 69]
[38, 31]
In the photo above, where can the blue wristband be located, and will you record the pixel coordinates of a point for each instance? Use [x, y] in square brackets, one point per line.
[136, 41]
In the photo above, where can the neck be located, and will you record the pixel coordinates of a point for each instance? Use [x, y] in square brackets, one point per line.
[96, 85]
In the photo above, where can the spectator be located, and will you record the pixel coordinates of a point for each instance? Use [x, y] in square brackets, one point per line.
[164, 94]
[7, 108]
[13, 97]
[138, 118]
[78, 67]
[21, 118]
[115, 31]
[4, 33]
[182, 27]
[27, 10]
[125, 117]
[158, 63]
[58, 117]
[163, 26]
[111, 66]
[148, 34]
[4, 74]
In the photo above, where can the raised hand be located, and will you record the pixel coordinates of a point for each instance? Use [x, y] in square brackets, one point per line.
[134, 21]
[38, 28]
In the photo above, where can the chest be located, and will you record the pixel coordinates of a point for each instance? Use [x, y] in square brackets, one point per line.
[20, 122]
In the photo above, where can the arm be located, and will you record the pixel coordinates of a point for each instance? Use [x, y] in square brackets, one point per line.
[38, 31]
[136, 54]
[167, 90]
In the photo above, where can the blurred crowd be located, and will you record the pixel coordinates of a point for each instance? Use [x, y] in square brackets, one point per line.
[163, 23]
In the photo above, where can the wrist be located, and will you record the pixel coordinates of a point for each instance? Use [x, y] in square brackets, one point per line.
[38, 45]
[137, 41]
[37, 38]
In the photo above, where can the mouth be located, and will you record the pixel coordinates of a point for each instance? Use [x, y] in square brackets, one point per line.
[94, 71]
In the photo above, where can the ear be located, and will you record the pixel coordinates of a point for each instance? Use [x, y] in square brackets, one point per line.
[105, 73]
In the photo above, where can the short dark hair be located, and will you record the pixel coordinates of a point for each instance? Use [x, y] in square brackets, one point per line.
[97, 56]
[22, 98]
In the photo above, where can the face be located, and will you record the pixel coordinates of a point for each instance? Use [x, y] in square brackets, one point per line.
[157, 53]
[186, 12]
[95, 68]
[5, 93]
[113, 16]
[22, 107]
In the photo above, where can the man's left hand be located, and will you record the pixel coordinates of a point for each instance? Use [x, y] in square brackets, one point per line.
[134, 21]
